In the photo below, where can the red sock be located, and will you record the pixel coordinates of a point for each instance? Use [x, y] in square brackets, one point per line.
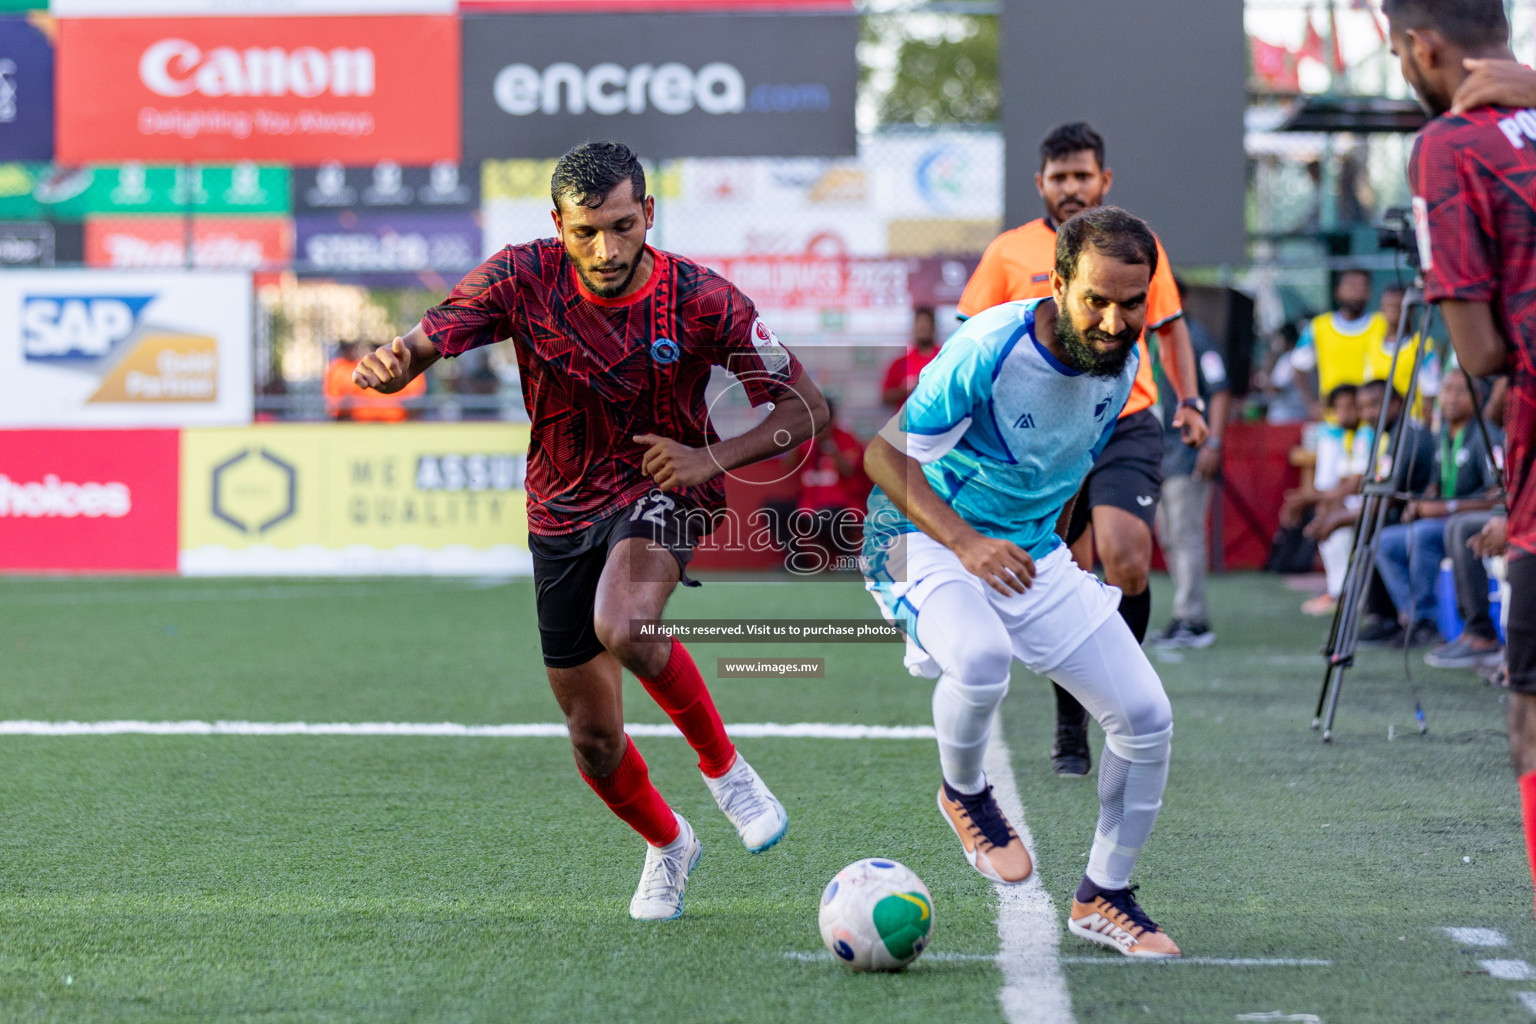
[628, 793]
[681, 692]
[1528, 812]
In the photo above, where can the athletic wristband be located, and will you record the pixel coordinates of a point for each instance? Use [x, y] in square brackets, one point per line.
[1213, 443]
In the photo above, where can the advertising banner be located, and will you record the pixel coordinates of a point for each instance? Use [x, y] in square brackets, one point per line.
[26, 91]
[403, 247]
[93, 348]
[224, 8]
[669, 85]
[385, 186]
[43, 190]
[26, 245]
[247, 243]
[293, 90]
[342, 499]
[88, 500]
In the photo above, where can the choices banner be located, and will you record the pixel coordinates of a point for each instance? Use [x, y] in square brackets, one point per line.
[667, 85]
[83, 348]
[282, 89]
[88, 500]
[344, 499]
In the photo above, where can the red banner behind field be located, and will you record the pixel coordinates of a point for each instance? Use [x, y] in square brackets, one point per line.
[89, 500]
[300, 90]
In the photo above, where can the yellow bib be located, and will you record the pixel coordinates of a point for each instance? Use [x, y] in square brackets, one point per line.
[1345, 358]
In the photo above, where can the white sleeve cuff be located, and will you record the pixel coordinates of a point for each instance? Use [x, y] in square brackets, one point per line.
[922, 447]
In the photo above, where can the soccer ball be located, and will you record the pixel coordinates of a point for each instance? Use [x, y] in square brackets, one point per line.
[876, 915]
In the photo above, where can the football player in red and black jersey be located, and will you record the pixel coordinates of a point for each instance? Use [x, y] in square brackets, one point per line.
[615, 341]
[1473, 176]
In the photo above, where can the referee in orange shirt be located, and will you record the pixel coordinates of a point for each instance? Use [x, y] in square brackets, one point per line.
[1118, 501]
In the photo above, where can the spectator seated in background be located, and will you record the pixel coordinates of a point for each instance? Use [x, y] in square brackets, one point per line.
[344, 400]
[1343, 452]
[828, 527]
[1409, 553]
[1466, 533]
[901, 375]
[1411, 474]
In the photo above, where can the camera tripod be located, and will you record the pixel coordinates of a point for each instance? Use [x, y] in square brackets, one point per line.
[1378, 493]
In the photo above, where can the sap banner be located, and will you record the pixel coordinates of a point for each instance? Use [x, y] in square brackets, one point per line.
[355, 499]
[668, 85]
[81, 348]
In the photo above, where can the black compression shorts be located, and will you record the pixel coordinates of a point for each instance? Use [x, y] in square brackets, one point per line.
[567, 568]
[1128, 473]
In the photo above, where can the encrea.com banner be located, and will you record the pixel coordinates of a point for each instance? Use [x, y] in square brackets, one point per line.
[355, 499]
[293, 90]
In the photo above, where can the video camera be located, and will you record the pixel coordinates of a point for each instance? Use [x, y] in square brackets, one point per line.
[1396, 232]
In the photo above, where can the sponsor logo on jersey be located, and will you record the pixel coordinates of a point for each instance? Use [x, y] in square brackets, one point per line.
[1040, 278]
[665, 351]
[1024, 422]
[774, 355]
[1103, 406]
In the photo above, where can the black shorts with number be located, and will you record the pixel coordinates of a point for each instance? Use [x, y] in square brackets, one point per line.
[1128, 473]
[567, 568]
[1521, 633]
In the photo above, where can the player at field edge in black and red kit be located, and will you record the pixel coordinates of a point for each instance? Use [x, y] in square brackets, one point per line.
[615, 342]
[1473, 178]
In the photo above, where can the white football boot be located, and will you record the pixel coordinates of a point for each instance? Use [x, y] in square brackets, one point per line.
[659, 896]
[759, 818]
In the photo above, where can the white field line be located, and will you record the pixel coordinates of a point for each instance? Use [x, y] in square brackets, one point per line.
[1508, 970]
[1029, 936]
[255, 592]
[820, 956]
[1477, 936]
[1528, 1000]
[759, 730]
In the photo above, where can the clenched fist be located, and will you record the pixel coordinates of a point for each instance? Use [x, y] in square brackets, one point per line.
[387, 369]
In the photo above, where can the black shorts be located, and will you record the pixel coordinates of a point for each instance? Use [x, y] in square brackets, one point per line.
[1520, 648]
[1128, 473]
[567, 568]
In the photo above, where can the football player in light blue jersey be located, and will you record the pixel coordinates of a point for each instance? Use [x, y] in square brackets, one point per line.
[972, 477]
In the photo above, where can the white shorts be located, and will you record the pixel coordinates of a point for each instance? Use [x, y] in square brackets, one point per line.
[1046, 623]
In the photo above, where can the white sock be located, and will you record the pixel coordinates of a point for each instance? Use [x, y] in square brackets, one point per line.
[962, 717]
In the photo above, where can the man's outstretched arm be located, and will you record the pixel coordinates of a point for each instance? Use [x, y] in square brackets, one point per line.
[389, 368]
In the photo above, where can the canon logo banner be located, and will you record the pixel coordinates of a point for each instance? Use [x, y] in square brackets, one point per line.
[175, 67]
[668, 85]
[300, 90]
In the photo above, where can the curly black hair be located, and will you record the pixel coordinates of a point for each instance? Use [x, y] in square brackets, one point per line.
[587, 173]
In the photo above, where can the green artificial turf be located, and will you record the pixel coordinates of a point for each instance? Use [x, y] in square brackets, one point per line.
[236, 878]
